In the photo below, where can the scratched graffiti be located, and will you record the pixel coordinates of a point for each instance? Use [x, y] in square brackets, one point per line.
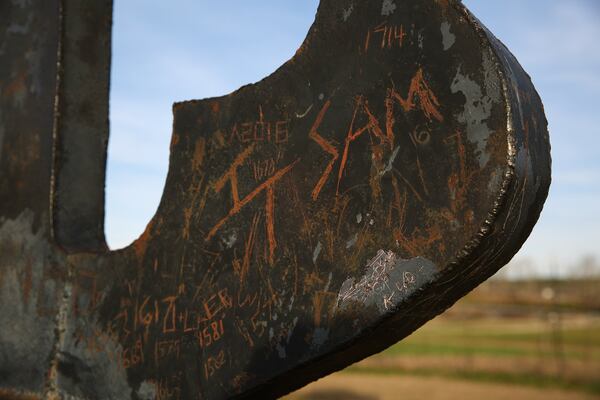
[395, 162]
[259, 131]
[387, 280]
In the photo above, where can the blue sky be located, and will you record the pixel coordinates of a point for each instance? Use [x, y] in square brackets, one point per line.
[171, 51]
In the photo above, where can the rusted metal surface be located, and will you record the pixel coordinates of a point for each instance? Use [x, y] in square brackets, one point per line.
[399, 159]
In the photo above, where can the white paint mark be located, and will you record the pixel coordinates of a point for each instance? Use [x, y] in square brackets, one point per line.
[448, 38]
[352, 241]
[328, 282]
[320, 336]
[371, 222]
[262, 323]
[387, 281]
[230, 241]
[294, 323]
[359, 218]
[377, 272]
[390, 163]
[281, 351]
[388, 7]
[147, 391]
[420, 40]
[348, 12]
[317, 251]
[475, 114]
[305, 112]
[455, 225]
[321, 96]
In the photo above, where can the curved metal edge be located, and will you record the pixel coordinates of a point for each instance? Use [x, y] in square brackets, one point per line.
[475, 263]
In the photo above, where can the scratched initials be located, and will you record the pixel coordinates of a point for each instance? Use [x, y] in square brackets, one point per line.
[268, 186]
[418, 90]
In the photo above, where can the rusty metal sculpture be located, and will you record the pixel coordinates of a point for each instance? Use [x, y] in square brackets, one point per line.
[399, 159]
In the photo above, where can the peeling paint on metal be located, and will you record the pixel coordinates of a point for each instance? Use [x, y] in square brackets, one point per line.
[448, 38]
[455, 225]
[291, 331]
[230, 240]
[352, 241]
[348, 12]
[317, 251]
[476, 111]
[320, 336]
[328, 282]
[280, 351]
[90, 372]
[147, 391]
[388, 8]
[26, 337]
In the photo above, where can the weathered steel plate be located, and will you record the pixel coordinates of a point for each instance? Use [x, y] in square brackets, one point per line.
[399, 159]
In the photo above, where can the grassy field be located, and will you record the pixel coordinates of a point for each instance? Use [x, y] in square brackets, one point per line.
[515, 339]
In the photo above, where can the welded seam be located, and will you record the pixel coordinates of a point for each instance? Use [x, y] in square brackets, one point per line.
[56, 119]
[62, 319]
[51, 390]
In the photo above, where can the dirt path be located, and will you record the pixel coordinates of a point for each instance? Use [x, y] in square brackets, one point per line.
[348, 386]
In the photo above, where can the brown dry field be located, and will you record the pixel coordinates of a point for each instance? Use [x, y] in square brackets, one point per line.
[348, 386]
[505, 340]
